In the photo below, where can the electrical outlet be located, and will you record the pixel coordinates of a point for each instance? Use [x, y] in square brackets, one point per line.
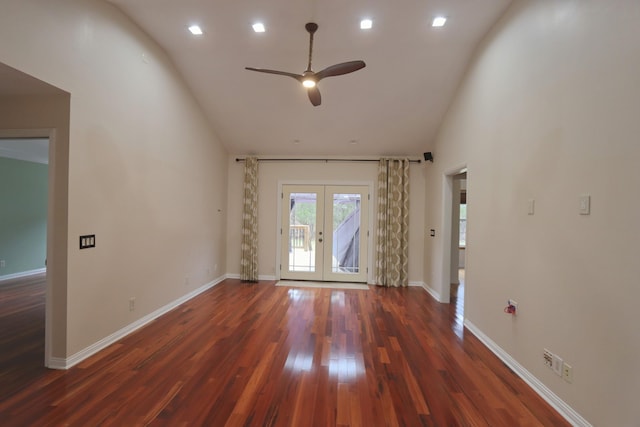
[2, 263]
[567, 373]
[132, 304]
[557, 365]
[548, 358]
[186, 280]
[513, 304]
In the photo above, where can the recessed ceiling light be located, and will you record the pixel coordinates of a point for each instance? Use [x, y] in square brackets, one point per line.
[195, 30]
[366, 24]
[439, 21]
[258, 27]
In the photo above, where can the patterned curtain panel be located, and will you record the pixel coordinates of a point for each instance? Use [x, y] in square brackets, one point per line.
[392, 246]
[249, 247]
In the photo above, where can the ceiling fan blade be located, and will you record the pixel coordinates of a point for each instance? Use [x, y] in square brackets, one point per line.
[339, 69]
[281, 73]
[314, 96]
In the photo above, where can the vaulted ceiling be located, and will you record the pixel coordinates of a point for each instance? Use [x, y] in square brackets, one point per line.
[393, 106]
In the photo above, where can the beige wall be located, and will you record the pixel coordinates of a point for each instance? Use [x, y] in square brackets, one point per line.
[272, 173]
[549, 111]
[146, 173]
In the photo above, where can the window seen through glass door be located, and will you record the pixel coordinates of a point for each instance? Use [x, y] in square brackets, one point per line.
[346, 233]
[302, 220]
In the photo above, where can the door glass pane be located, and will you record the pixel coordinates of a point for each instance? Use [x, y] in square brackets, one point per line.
[302, 228]
[345, 251]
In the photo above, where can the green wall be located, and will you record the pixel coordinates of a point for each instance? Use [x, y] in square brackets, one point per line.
[23, 215]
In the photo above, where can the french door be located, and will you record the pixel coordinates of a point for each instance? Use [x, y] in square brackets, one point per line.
[324, 232]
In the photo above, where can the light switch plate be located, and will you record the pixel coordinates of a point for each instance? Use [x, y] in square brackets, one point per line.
[531, 207]
[88, 241]
[585, 205]
[556, 365]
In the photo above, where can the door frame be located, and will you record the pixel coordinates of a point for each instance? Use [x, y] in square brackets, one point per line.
[368, 184]
[447, 232]
[53, 235]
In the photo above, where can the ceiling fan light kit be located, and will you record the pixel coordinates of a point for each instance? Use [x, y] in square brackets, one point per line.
[310, 79]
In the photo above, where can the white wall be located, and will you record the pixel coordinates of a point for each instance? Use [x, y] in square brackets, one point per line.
[549, 111]
[146, 172]
[271, 173]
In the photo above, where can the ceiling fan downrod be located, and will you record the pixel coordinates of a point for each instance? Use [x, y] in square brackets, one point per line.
[311, 28]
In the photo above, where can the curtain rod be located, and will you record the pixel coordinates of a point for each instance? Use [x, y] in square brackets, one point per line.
[322, 160]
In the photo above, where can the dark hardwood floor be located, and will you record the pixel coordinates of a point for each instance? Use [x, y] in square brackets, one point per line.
[260, 355]
[21, 333]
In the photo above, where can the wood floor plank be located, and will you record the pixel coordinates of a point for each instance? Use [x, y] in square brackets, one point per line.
[253, 354]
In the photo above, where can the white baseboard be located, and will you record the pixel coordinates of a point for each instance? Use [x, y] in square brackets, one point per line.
[60, 363]
[22, 274]
[427, 288]
[550, 397]
[57, 363]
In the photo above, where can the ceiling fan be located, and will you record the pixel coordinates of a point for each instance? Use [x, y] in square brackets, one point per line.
[308, 78]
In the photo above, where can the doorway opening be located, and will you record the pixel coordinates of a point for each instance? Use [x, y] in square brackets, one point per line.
[458, 242]
[324, 232]
[453, 281]
[40, 110]
[24, 174]
[24, 243]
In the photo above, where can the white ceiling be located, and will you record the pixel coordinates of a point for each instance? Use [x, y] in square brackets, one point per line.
[393, 106]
